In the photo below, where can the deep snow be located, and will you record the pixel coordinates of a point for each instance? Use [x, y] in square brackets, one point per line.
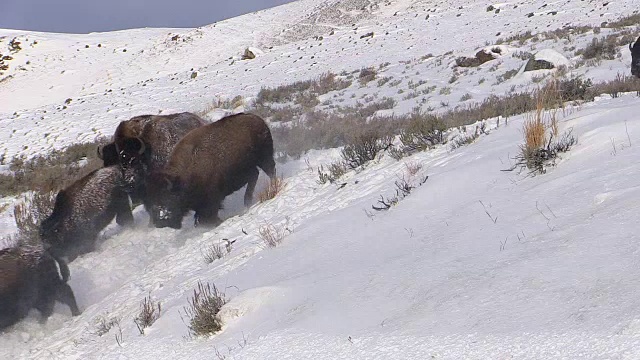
[553, 277]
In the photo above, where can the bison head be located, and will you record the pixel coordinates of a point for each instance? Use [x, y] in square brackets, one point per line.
[165, 194]
[108, 154]
[635, 58]
[51, 229]
[130, 153]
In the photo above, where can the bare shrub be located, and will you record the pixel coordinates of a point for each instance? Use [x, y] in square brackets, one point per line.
[275, 186]
[273, 235]
[366, 75]
[104, 324]
[298, 91]
[600, 48]
[384, 80]
[574, 88]
[364, 148]
[149, 313]
[506, 76]
[53, 171]
[203, 309]
[29, 213]
[212, 253]
[422, 132]
[463, 140]
[625, 21]
[220, 103]
[521, 38]
[335, 171]
[403, 189]
[622, 83]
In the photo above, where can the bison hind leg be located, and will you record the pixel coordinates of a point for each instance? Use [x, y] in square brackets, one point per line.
[268, 165]
[251, 185]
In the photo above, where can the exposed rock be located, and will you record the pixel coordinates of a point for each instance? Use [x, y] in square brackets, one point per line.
[248, 54]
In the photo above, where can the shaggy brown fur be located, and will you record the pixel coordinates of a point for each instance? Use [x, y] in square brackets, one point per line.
[83, 209]
[143, 144]
[32, 278]
[635, 58]
[208, 164]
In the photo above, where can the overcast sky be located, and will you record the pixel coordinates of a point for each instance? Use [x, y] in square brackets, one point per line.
[84, 16]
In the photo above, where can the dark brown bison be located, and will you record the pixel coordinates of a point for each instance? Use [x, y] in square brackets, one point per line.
[635, 58]
[83, 209]
[143, 144]
[208, 164]
[30, 278]
[108, 154]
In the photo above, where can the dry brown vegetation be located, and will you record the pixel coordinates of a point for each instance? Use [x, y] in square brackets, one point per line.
[149, 313]
[50, 172]
[273, 235]
[273, 188]
[203, 309]
[28, 213]
[542, 143]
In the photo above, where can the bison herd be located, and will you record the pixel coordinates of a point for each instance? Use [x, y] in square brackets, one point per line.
[171, 164]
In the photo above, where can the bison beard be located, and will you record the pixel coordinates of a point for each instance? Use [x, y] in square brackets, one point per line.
[208, 164]
[635, 58]
[82, 210]
[32, 278]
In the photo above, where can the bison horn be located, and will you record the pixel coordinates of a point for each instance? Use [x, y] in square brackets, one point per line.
[631, 46]
[100, 153]
[142, 146]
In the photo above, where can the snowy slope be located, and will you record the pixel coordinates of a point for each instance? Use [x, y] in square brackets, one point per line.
[553, 277]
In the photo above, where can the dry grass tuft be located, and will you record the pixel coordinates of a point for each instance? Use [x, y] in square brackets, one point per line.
[149, 313]
[272, 235]
[203, 309]
[275, 186]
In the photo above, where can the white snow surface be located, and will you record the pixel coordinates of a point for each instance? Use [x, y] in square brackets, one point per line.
[476, 263]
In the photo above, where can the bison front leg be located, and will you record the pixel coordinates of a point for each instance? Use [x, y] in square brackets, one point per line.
[124, 217]
[65, 295]
[207, 215]
[45, 306]
[251, 186]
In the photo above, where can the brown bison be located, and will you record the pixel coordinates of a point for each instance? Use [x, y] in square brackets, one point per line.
[83, 209]
[30, 278]
[635, 58]
[208, 164]
[142, 145]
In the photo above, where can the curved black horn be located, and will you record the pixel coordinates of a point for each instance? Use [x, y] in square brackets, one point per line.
[142, 146]
[100, 156]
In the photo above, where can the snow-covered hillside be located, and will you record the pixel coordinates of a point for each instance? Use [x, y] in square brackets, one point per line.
[476, 263]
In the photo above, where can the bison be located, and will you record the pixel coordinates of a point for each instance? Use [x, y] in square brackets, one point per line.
[208, 164]
[83, 209]
[108, 154]
[30, 278]
[142, 145]
[635, 58]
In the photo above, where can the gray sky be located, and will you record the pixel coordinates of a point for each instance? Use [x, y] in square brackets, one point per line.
[83, 16]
